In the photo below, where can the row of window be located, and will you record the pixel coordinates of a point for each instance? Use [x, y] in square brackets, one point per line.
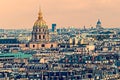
[40, 30]
[40, 37]
[43, 45]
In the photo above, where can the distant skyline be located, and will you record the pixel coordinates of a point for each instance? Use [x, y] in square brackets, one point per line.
[23, 13]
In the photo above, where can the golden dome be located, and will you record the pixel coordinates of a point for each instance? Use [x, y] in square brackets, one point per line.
[40, 22]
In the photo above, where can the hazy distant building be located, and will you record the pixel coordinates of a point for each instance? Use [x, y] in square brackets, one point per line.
[53, 27]
[1, 30]
[99, 25]
[40, 35]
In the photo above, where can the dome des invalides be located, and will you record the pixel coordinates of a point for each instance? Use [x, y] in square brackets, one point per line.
[40, 35]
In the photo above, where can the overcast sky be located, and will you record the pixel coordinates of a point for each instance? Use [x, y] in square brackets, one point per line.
[23, 13]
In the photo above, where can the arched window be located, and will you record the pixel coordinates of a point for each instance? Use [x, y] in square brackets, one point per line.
[51, 45]
[33, 46]
[43, 36]
[43, 45]
[35, 36]
[39, 30]
[39, 36]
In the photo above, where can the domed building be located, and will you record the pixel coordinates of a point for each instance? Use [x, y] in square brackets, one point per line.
[40, 35]
[98, 25]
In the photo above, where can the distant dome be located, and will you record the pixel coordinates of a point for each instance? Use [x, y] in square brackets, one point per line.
[99, 22]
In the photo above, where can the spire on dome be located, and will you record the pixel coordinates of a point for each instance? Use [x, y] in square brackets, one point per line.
[40, 14]
[40, 21]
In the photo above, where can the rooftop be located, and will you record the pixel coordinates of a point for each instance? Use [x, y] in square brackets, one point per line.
[15, 55]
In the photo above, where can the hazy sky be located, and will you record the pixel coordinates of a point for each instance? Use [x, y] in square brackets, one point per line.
[23, 13]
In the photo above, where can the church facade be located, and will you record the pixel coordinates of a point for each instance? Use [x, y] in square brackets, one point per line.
[40, 35]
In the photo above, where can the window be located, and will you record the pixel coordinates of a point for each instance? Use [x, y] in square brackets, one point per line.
[39, 30]
[43, 45]
[35, 36]
[43, 36]
[39, 36]
[33, 46]
[51, 45]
